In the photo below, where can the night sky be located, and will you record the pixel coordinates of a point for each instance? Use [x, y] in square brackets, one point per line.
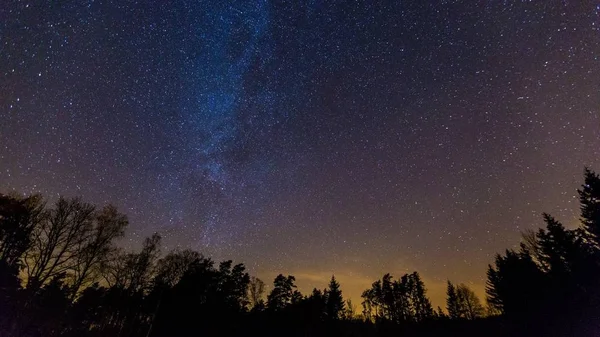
[308, 137]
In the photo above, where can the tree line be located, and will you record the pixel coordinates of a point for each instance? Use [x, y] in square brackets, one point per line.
[62, 273]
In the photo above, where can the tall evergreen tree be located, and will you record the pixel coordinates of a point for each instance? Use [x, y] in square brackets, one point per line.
[439, 313]
[452, 302]
[560, 251]
[515, 284]
[317, 304]
[401, 304]
[350, 310]
[335, 301]
[421, 304]
[589, 199]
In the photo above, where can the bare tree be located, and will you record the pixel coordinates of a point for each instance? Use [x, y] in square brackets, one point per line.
[143, 263]
[109, 225]
[130, 275]
[256, 291]
[470, 306]
[172, 267]
[132, 271]
[57, 241]
[114, 267]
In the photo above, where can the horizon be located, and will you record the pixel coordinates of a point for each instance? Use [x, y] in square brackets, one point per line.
[308, 280]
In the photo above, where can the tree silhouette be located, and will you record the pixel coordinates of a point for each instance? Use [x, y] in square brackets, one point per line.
[398, 301]
[169, 271]
[297, 297]
[369, 303]
[109, 225]
[233, 285]
[469, 304]
[463, 303]
[282, 293]
[334, 300]
[133, 271]
[589, 199]
[420, 302]
[18, 218]
[452, 303]
[256, 291]
[50, 306]
[78, 283]
[191, 297]
[439, 313]
[171, 268]
[350, 311]
[513, 285]
[316, 303]
[57, 241]
[142, 264]
[555, 270]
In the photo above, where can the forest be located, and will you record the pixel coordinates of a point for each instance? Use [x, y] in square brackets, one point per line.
[63, 273]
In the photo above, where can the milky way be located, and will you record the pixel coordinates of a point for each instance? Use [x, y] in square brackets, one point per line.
[308, 137]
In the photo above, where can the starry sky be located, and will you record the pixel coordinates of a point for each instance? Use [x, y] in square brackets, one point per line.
[308, 137]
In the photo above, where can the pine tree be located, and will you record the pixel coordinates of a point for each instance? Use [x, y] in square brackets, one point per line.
[557, 246]
[515, 286]
[439, 313]
[421, 304]
[452, 302]
[589, 198]
[350, 311]
[335, 301]
[493, 293]
[387, 297]
[402, 305]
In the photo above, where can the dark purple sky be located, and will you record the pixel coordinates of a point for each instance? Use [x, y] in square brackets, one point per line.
[308, 137]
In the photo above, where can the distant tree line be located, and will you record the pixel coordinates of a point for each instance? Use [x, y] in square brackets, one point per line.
[63, 274]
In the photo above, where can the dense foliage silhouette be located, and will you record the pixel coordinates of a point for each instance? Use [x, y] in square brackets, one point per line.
[63, 274]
